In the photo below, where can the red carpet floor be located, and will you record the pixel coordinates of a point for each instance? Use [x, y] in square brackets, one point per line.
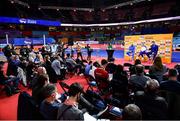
[8, 105]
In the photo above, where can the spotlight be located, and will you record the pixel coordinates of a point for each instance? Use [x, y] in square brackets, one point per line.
[39, 8]
[103, 10]
[12, 2]
[116, 7]
[131, 3]
[28, 6]
[74, 10]
[57, 9]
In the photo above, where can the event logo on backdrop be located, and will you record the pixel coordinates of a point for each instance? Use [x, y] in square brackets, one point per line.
[164, 42]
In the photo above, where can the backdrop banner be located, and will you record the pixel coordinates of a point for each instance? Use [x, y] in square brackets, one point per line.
[164, 42]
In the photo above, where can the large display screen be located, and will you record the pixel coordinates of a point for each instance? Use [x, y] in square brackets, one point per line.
[163, 41]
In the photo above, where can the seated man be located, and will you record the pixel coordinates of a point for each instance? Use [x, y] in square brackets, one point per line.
[111, 66]
[50, 105]
[131, 51]
[139, 80]
[171, 84]
[69, 109]
[151, 105]
[132, 112]
[153, 50]
[74, 65]
[143, 50]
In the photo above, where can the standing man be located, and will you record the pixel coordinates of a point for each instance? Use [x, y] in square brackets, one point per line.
[89, 51]
[153, 50]
[79, 52]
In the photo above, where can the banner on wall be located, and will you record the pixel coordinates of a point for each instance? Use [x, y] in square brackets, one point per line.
[164, 41]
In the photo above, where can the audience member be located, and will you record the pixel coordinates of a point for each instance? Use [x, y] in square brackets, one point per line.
[171, 84]
[157, 70]
[69, 109]
[119, 82]
[37, 90]
[56, 65]
[139, 80]
[11, 81]
[88, 68]
[132, 68]
[153, 107]
[37, 72]
[49, 106]
[132, 112]
[94, 67]
[50, 71]
[104, 63]
[111, 67]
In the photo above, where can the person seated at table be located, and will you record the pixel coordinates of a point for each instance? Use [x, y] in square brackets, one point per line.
[131, 51]
[153, 50]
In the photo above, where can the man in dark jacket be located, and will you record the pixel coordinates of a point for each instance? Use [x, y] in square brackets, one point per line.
[138, 80]
[151, 105]
[171, 84]
[69, 109]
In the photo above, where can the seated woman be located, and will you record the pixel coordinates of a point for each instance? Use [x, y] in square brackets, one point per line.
[157, 70]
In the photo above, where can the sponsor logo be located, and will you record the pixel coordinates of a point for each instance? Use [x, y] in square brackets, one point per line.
[31, 21]
[23, 21]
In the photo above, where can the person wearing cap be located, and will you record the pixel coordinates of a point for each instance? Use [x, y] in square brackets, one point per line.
[50, 105]
[69, 109]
